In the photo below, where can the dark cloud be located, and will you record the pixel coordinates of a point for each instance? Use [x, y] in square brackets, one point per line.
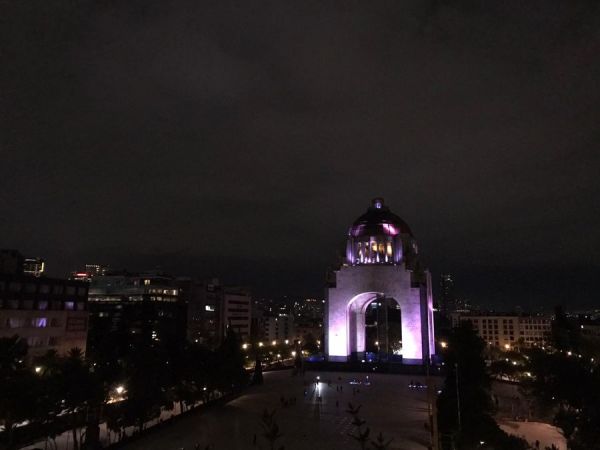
[242, 138]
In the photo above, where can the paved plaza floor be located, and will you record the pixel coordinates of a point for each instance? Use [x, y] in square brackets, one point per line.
[388, 406]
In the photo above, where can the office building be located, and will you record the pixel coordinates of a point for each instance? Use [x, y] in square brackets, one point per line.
[49, 313]
[508, 331]
[204, 299]
[34, 266]
[138, 308]
[236, 311]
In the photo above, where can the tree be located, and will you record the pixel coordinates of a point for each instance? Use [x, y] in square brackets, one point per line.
[19, 385]
[567, 387]
[145, 393]
[464, 406]
[310, 344]
[80, 389]
[257, 377]
[230, 363]
[271, 429]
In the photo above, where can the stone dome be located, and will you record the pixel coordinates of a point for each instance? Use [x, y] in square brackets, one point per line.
[378, 220]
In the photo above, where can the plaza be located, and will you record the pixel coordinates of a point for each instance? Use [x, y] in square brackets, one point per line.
[388, 406]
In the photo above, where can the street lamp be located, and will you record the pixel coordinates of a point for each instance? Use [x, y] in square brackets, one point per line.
[444, 344]
[120, 389]
[38, 369]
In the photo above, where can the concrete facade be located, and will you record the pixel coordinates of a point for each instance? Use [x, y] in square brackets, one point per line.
[357, 284]
[49, 313]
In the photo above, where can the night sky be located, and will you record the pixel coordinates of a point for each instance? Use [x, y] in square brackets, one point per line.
[241, 139]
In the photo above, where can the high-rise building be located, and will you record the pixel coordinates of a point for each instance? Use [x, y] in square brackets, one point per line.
[236, 311]
[135, 308]
[447, 303]
[204, 300]
[279, 328]
[34, 266]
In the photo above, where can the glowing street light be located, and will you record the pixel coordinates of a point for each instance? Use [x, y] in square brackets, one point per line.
[507, 346]
[120, 389]
[293, 353]
[38, 369]
[274, 343]
[244, 346]
[444, 344]
[286, 342]
[260, 344]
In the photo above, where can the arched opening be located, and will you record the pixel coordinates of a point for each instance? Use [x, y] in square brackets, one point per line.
[383, 330]
[374, 327]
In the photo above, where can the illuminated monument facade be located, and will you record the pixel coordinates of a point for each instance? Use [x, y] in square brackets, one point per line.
[381, 267]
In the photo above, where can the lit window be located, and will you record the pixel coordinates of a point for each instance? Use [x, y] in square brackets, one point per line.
[70, 306]
[40, 322]
[146, 282]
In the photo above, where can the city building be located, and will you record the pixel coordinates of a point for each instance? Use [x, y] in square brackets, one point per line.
[304, 329]
[236, 311]
[11, 262]
[204, 300]
[34, 266]
[137, 308]
[49, 313]
[447, 303]
[279, 328]
[381, 287]
[91, 271]
[508, 331]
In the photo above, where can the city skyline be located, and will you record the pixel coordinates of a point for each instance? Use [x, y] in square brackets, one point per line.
[239, 145]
